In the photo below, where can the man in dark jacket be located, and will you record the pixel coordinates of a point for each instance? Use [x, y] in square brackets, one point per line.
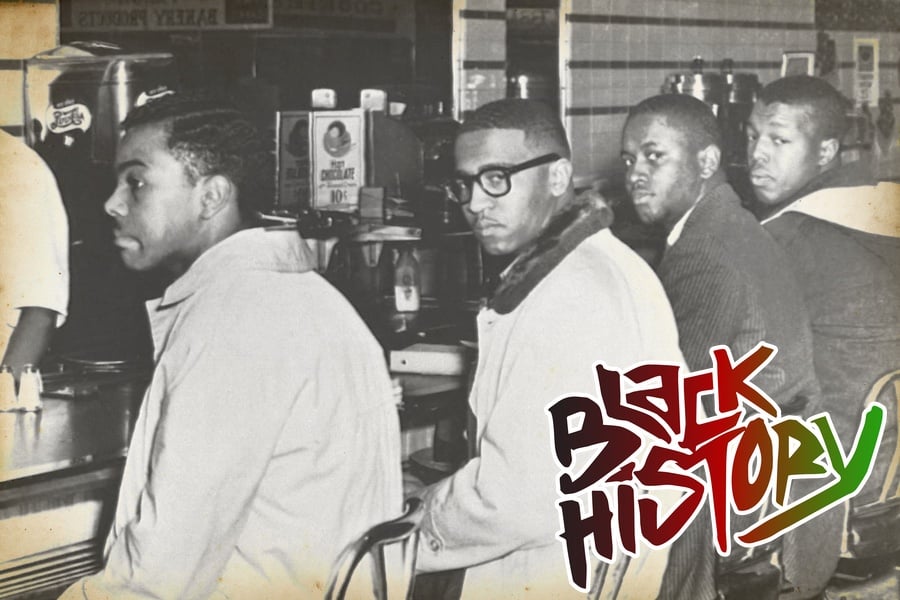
[728, 281]
[841, 233]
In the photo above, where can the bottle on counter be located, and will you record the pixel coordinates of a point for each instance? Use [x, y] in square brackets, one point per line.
[7, 390]
[406, 281]
[30, 386]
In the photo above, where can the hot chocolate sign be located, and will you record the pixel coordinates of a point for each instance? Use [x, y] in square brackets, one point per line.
[647, 438]
[338, 146]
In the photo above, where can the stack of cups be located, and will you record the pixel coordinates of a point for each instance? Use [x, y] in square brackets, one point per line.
[7, 390]
[30, 387]
[397, 390]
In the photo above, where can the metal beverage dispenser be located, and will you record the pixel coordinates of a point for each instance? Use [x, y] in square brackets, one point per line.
[76, 97]
[731, 96]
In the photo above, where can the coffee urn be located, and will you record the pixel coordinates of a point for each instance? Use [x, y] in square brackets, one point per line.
[731, 96]
[76, 97]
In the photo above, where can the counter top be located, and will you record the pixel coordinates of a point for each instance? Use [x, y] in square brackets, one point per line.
[69, 433]
[429, 398]
[77, 432]
[60, 470]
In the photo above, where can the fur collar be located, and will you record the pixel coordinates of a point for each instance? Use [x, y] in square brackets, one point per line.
[563, 234]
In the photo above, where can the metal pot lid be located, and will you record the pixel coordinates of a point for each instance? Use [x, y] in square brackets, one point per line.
[105, 364]
[706, 87]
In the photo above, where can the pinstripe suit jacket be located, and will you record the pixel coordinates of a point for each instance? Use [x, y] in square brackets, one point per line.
[729, 283]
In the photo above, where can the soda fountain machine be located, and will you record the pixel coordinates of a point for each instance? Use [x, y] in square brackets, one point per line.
[76, 97]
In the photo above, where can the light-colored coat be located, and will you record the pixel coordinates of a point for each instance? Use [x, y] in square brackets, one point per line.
[497, 515]
[267, 440]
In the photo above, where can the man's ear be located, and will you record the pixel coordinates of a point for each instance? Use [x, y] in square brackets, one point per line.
[709, 158]
[559, 176]
[217, 193]
[828, 149]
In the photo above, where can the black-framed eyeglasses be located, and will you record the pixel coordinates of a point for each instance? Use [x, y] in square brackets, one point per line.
[493, 179]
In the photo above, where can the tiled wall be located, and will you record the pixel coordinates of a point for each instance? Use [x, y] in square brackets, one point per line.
[614, 53]
[26, 28]
[619, 52]
[479, 53]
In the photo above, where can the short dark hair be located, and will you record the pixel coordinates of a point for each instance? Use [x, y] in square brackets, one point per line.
[692, 117]
[826, 108]
[542, 127]
[211, 137]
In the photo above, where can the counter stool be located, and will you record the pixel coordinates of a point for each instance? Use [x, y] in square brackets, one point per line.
[404, 530]
[871, 544]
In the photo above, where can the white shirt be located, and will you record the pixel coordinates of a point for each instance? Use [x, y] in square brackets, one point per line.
[675, 233]
[34, 237]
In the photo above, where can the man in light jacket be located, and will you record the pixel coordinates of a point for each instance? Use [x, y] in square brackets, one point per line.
[573, 295]
[268, 437]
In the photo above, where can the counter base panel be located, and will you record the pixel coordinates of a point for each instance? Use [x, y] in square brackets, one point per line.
[52, 530]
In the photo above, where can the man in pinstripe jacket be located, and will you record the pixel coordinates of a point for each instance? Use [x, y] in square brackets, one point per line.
[727, 279]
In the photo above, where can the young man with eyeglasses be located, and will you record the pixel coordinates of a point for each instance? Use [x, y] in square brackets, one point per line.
[573, 295]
